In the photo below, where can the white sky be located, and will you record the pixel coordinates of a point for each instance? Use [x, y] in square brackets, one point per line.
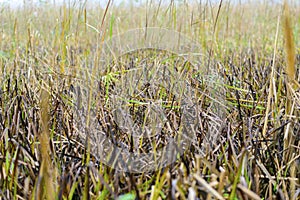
[20, 2]
[17, 3]
[103, 3]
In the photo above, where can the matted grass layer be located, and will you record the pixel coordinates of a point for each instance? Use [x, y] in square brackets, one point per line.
[46, 50]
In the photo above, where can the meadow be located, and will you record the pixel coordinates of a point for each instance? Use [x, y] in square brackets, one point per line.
[245, 140]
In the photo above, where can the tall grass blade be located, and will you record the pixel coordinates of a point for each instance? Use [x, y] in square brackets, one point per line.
[289, 44]
[46, 172]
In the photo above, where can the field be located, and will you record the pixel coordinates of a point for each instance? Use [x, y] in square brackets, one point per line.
[91, 98]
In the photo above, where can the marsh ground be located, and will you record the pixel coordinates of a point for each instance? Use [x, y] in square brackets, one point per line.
[46, 50]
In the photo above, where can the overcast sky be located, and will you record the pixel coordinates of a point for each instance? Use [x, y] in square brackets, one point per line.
[102, 2]
[17, 3]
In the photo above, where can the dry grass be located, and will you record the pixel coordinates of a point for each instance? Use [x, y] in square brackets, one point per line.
[47, 53]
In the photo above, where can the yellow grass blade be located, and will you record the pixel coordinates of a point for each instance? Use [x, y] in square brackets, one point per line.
[289, 44]
[47, 185]
[208, 187]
